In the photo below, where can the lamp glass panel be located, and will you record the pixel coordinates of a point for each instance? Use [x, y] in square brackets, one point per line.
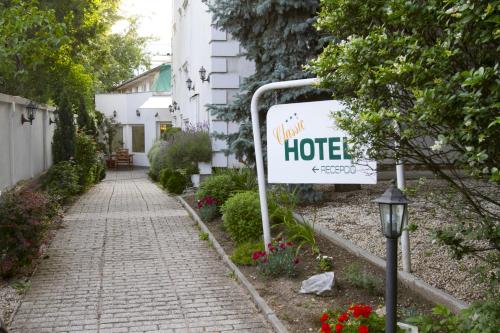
[385, 218]
[398, 212]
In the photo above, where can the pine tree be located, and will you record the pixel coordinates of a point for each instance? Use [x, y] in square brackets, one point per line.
[63, 145]
[279, 36]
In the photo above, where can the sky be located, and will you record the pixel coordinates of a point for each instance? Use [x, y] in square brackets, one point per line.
[154, 20]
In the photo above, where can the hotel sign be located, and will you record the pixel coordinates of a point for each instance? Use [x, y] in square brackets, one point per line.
[305, 147]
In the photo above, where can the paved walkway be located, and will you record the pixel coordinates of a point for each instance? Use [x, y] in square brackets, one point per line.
[129, 260]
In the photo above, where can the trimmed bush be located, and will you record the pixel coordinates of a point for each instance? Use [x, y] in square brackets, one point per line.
[87, 160]
[242, 218]
[207, 209]
[62, 180]
[165, 175]
[176, 183]
[219, 187]
[25, 216]
[242, 254]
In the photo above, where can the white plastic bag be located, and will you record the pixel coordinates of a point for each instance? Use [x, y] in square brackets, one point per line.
[317, 283]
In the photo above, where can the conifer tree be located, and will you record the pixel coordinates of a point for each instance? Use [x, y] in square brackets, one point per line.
[63, 146]
[280, 38]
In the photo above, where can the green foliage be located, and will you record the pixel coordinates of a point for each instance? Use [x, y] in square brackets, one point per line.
[208, 213]
[279, 51]
[25, 216]
[225, 183]
[203, 235]
[176, 183]
[188, 148]
[363, 279]
[63, 145]
[169, 133]
[480, 317]
[165, 175]
[242, 218]
[424, 74]
[325, 263]
[52, 47]
[62, 180]
[86, 159]
[242, 254]
[280, 260]
[183, 151]
[220, 187]
[301, 234]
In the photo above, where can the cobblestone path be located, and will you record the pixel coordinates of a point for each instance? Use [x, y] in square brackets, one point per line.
[129, 260]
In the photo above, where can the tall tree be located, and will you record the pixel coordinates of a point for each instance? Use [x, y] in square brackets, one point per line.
[424, 74]
[280, 38]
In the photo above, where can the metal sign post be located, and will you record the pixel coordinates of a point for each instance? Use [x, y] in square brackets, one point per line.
[315, 170]
[259, 161]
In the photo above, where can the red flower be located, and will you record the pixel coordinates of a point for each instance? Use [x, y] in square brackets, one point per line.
[324, 317]
[282, 245]
[258, 254]
[296, 260]
[366, 311]
[338, 328]
[325, 328]
[343, 317]
[362, 329]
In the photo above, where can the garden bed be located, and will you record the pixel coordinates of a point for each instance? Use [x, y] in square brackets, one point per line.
[353, 216]
[301, 312]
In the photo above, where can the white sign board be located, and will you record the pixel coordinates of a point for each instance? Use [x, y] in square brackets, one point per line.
[305, 147]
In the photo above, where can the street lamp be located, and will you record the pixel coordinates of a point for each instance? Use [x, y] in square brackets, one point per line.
[137, 113]
[203, 75]
[173, 107]
[393, 209]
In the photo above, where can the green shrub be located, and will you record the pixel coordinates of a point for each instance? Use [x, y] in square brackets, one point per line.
[280, 260]
[176, 183]
[182, 150]
[242, 254]
[169, 133]
[480, 317]
[187, 149]
[362, 279]
[242, 218]
[87, 160]
[62, 180]
[207, 209]
[25, 216]
[165, 175]
[219, 187]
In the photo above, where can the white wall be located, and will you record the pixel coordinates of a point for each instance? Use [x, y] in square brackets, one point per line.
[196, 43]
[126, 106]
[25, 150]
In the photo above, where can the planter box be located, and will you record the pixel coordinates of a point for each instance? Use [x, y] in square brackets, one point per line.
[195, 179]
[205, 168]
[408, 328]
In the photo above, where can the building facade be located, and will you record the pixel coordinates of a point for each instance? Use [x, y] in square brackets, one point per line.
[141, 107]
[196, 43]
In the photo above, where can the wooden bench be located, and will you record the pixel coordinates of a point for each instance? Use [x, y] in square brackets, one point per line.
[122, 157]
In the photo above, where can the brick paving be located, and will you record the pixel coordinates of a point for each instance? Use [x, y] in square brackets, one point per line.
[129, 260]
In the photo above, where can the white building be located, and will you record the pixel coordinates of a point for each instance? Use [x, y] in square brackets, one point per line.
[141, 106]
[197, 43]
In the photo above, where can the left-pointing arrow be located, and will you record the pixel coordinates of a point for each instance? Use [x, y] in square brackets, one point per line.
[315, 169]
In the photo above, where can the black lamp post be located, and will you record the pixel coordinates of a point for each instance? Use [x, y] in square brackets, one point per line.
[203, 75]
[30, 109]
[173, 107]
[393, 209]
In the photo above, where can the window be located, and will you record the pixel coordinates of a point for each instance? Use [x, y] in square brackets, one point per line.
[163, 127]
[138, 139]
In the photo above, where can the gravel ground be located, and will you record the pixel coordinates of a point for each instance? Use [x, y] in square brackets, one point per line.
[353, 216]
[9, 298]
